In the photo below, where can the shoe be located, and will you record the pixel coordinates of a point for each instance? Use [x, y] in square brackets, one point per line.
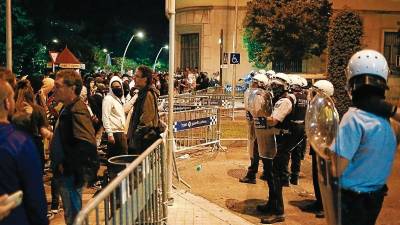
[275, 218]
[311, 208]
[263, 177]
[294, 180]
[247, 180]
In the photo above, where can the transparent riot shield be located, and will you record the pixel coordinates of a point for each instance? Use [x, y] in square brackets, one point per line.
[322, 123]
[260, 106]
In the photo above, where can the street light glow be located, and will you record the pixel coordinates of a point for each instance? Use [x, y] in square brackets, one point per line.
[55, 40]
[166, 47]
[140, 34]
[105, 50]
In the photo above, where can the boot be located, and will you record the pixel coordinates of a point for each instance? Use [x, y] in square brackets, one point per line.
[267, 209]
[294, 179]
[250, 177]
[274, 218]
[247, 180]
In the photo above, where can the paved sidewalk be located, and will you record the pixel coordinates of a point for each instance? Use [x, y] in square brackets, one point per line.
[189, 209]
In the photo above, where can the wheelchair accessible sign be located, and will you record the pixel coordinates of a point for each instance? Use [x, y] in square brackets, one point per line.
[235, 58]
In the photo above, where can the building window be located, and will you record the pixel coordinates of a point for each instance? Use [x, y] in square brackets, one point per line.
[392, 51]
[293, 66]
[190, 53]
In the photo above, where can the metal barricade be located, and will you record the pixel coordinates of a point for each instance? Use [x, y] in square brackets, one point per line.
[196, 128]
[138, 195]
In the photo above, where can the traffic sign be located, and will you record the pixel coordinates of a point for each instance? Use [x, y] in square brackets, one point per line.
[225, 59]
[235, 58]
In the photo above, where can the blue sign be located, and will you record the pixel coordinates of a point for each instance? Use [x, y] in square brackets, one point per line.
[189, 124]
[235, 58]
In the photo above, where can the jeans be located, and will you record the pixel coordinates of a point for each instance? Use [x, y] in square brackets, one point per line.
[71, 197]
[55, 193]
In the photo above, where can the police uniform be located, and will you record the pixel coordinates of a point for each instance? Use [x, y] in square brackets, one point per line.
[368, 142]
[282, 109]
[298, 138]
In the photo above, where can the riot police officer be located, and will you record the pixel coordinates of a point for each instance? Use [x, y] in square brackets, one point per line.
[283, 105]
[365, 146]
[252, 145]
[298, 137]
[316, 207]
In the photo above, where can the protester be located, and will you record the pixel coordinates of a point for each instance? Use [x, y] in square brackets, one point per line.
[114, 119]
[19, 167]
[73, 148]
[143, 127]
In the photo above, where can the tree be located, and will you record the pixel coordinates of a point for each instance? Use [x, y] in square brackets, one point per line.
[286, 30]
[25, 46]
[344, 39]
[253, 48]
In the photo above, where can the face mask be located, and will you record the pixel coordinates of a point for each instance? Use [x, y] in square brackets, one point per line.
[278, 91]
[117, 92]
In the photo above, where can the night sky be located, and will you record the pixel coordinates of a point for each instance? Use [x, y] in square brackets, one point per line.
[108, 24]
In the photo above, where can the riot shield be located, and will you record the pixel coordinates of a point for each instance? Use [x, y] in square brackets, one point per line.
[260, 106]
[322, 123]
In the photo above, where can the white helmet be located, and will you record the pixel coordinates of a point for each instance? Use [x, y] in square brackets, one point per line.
[270, 73]
[283, 77]
[261, 78]
[368, 62]
[304, 82]
[295, 80]
[262, 71]
[325, 86]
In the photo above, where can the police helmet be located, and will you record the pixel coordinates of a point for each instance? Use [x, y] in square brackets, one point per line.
[367, 68]
[325, 86]
[270, 73]
[261, 78]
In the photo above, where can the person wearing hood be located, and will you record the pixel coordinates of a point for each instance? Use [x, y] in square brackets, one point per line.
[144, 125]
[113, 116]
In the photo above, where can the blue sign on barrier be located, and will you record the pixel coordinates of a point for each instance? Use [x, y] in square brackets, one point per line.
[189, 124]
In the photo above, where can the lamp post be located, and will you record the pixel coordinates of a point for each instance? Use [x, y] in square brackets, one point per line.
[9, 36]
[158, 54]
[139, 35]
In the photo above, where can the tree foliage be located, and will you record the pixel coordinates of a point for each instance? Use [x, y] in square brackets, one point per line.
[344, 39]
[285, 30]
[27, 52]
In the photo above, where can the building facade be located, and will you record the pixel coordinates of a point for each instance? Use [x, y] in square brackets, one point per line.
[205, 29]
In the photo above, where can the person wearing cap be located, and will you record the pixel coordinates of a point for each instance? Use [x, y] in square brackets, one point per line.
[279, 119]
[365, 145]
[261, 143]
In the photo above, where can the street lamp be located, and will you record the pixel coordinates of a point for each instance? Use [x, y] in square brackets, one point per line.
[55, 40]
[105, 50]
[158, 54]
[139, 35]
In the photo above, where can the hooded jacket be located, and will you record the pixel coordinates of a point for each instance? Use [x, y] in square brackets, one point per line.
[113, 114]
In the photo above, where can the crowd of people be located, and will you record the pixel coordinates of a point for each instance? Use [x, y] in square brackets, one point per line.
[57, 124]
[276, 106]
[69, 118]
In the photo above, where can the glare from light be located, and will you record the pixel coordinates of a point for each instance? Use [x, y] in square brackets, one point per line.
[140, 34]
